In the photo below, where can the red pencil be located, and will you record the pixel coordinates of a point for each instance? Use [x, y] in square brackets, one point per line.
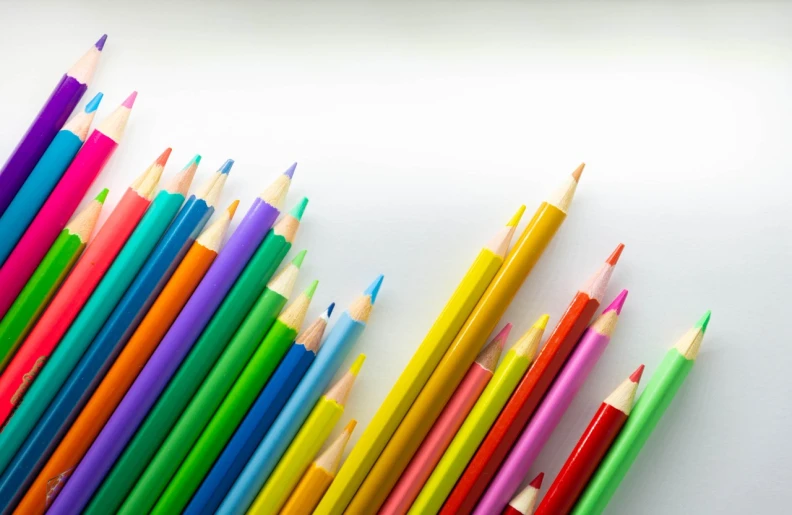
[524, 502]
[591, 448]
[525, 399]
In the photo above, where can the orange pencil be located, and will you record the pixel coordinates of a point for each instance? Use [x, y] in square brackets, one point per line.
[131, 360]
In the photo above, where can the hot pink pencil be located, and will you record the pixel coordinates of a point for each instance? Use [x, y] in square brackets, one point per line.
[78, 287]
[443, 431]
[588, 351]
[61, 204]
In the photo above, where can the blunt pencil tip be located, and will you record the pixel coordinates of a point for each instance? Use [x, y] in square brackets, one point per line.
[290, 171]
[617, 303]
[636, 376]
[101, 43]
[704, 321]
[615, 255]
[298, 259]
[298, 210]
[226, 168]
[374, 288]
[93, 105]
[102, 195]
[578, 172]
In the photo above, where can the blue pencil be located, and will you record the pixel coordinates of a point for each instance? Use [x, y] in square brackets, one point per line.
[120, 326]
[48, 171]
[259, 419]
[335, 349]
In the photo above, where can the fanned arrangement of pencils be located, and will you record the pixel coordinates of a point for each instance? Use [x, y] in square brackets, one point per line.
[166, 366]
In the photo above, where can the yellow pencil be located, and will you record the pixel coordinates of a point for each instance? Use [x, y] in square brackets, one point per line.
[320, 474]
[418, 370]
[449, 372]
[306, 444]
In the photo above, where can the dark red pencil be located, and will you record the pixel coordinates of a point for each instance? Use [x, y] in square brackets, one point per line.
[524, 502]
[525, 399]
[591, 448]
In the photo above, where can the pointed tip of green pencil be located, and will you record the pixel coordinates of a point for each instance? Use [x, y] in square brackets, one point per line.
[298, 259]
[298, 210]
[309, 291]
[102, 196]
[704, 321]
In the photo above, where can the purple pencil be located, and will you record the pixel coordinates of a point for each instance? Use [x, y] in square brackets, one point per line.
[47, 123]
[517, 465]
[135, 405]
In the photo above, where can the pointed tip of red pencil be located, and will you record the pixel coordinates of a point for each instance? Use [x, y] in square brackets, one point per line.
[130, 100]
[578, 172]
[618, 303]
[101, 43]
[163, 158]
[614, 257]
[502, 336]
[537, 482]
[636, 376]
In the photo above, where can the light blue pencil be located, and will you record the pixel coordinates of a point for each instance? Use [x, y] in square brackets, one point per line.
[334, 350]
[44, 177]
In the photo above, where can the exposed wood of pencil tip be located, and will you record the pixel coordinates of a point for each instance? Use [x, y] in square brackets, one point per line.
[147, 182]
[360, 310]
[80, 124]
[83, 224]
[528, 344]
[330, 459]
[284, 281]
[606, 323]
[690, 343]
[287, 227]
[563, 196]
[489, 355]
[311, 337]
[275, 194]
[181, 182]
[623, 397]
[113, 126]
[83, 70]
[212, 237]
[339, 392]
[525, 501]
[294, 315]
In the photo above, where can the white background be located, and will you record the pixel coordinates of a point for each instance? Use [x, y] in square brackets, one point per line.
[419, 128]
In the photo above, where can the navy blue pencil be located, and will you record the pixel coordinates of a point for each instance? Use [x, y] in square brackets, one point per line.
[258, 420]
[89, 372]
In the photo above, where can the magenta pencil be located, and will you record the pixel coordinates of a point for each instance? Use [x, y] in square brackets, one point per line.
[517, 465]
[61, 204]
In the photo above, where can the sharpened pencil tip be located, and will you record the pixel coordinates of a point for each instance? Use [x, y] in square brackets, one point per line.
[617, 303]
[614, 257]
[537, 482]
[226, 168]
[357, 364]
[298, 259]
[93, 105]
[290, 171]
[636, 376]
[515, 220]
[298, 210]
[232, 208]
[578, 172]
[541, 323]
[101, 43]
[374, 288]
[163, 158]
[502, 336]
[350, 426]
[130, 100]
[311, 289]
[704, 321]
[195, 161]
[330, 308]
[102, 196]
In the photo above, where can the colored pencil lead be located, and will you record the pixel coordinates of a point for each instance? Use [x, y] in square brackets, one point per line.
[374, 288]
[298, 259]
[330, 309]
[636, 376]
[290, 171]
[578, 172]
[226, 168]
[617, 304]
[101, 43]
[93, 105]
[298, 210]
[614, 257]
[130, 100]
[515, 220]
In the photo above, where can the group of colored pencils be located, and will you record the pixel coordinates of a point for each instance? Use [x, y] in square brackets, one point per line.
[157, 368]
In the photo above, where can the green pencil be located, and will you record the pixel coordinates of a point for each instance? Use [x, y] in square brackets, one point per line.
[646, 413]
[198, 363]
[45, 280]
[260, 324]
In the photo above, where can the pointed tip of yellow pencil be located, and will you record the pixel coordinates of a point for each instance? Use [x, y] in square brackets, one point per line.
[232, 209]
[515, 220]
[357, 365]
[578, 172]
[541, 322]
[350, 426]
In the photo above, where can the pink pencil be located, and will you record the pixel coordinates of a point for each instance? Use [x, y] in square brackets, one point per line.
[61, 204]
[516, 466]
[443, 431]
[78, 287]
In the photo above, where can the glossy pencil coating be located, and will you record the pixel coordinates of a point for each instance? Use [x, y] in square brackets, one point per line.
[46, 174]
[575, 372]
[648, 410]
[48, 122]
[449, 372]
[418, 370]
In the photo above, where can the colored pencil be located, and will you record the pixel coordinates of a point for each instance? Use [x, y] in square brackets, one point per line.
[577, 368]
[475, 427]
[78, 286]
[61, 204]
[648, 410]
[217, 408]
[48, 122]
[418, 370]
[524, 502]
[259, 418]
[335, 349]
[93, 315]
[201, 359]
[109, 393]
[306, 444]
[108, 343]
[591, 448]
[46, 279]
[449, 372]
[436, 442]
[317, 478]
[46, 174]
[172, 349]
[525, 399]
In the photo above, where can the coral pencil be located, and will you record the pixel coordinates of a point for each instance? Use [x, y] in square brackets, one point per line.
[48, 122]
[418, 370]
[75, 290]
[449, 372]
[44, 177]
[306, 444]
[82, 331]
[335, 349]
[172, 349]
[212, 416]
[475, 427]
[60, 206]
[317, 478]
[590, 449]
[524, 502]
[259, 418]
[191, 374]
[46, 279]
[577, 368]
[443, 431]
[140, 346]
[648, 410]
[532, 388]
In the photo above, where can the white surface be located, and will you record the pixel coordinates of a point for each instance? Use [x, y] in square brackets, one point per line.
[420, 129]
